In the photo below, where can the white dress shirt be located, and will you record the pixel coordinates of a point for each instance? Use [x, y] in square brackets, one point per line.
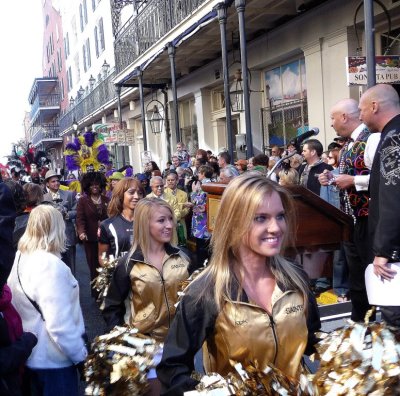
[361, 182]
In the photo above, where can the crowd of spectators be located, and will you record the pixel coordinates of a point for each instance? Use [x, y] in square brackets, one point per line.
[41, 222]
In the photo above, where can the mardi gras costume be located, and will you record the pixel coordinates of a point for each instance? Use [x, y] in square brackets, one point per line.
[87, 153]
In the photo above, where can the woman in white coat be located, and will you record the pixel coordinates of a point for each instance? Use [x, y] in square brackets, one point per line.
[46, 296]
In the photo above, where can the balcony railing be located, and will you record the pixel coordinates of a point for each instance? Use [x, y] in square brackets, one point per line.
[146, 28]
[103, 93]
[46, 133]
[50, 100]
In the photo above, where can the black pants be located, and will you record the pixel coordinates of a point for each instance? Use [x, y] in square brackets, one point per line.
[359, 255]
[391, 315]
[69, 258]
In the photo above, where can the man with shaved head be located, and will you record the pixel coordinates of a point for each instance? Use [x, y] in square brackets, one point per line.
[380, 111]
[355, 163]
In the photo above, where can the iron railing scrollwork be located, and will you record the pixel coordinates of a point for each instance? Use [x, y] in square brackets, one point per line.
[102, 94]
[148, 26]
[50, 100]
[45, 132]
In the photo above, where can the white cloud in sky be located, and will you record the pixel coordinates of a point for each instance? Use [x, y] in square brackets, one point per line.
[21, 36]
[291, 83]
[274, 82]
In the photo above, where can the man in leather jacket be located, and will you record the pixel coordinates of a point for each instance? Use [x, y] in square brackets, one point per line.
[380, 111]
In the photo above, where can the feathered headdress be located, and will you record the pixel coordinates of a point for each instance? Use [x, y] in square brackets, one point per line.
[87, 153]
[26, 157]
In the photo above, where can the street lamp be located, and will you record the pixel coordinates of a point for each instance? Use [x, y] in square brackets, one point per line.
[105, 68]
[74, 125]
[71, 102]
[81, 91]
[92, 80]
[236, 92]
[156, 120]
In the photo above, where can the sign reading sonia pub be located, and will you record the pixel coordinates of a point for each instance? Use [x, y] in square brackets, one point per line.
[387, 70]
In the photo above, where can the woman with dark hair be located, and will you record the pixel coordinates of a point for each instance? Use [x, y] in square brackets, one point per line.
[90, 212]
[18, 195]
[116, 232]
[33, 196]
[149, 168]
[250, 304]
[202, 155]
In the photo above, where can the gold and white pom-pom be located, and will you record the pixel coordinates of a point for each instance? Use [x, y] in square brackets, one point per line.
[119, 363]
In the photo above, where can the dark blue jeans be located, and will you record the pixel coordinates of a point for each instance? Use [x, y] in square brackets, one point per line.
[340, 273]
[54, 382]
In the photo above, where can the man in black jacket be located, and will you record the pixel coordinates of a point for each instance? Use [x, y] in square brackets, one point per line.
[309, 172]
[12, 354]
[356, 160]
[380, 111]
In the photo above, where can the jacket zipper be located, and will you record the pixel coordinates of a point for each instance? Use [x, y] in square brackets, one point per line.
[272, 323]
[166, 298]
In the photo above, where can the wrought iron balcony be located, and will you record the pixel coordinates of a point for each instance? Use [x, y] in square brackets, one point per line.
[146, 28]
[47, 103]
[103, 93]
[46, 134]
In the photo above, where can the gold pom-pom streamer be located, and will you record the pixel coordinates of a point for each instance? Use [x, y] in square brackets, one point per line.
[102, 282]
[250, 380]
[359, 359]
[119, 362]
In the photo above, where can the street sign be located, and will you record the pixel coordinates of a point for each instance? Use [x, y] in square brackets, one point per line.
[387, 70]
[110, 139]
[121, 137]
[130, 136]
[125, 136]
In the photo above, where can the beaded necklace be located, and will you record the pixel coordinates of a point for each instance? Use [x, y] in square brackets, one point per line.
[342, 167]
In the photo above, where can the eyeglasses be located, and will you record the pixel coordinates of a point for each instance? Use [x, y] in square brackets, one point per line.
[158, 187]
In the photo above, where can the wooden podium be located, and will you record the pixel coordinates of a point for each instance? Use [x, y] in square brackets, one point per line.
[320, 229]
[320, 226]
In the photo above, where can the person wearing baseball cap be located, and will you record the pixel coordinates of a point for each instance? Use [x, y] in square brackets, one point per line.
[114, 179]
[340, 140]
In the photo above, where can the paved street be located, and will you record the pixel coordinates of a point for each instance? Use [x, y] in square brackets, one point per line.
[94, 322]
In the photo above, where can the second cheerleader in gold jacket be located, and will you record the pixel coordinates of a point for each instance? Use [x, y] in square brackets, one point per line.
[147, 280]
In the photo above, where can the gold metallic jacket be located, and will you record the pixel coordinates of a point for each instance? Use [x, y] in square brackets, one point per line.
[242, 331]
[152, 293]
[245, 333]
